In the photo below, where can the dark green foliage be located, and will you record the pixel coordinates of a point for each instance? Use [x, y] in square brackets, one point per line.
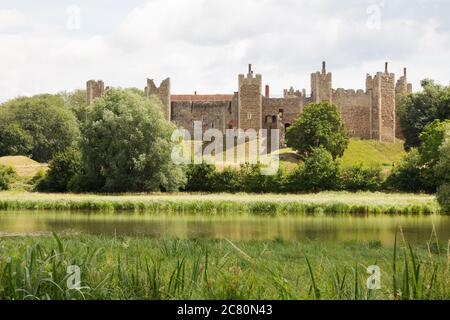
[417, 110]
[200, 177]
[62, 169]
[407, 175]
[7, 176]
[319, 125]
[359, 178]
[319, 172]
[126, 145]
[442, 171]
[38, 126]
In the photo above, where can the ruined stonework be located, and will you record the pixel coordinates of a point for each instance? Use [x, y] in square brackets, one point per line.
[367, 114]
[94, 89]
[162, 92]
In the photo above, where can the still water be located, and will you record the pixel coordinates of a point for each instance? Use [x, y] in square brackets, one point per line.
[415, 229]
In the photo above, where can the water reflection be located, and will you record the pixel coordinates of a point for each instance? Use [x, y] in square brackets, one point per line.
[416, 229]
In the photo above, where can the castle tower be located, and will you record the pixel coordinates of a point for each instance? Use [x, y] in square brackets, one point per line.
[162, 92]
[402, 88]
[321, 85]
[94, 89]
[250, 101]
[382, 115]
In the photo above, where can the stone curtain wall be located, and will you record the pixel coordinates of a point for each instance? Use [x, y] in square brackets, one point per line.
[368, 114]
[355, 111]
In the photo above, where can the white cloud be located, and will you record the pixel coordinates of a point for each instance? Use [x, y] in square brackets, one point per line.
[202, 45]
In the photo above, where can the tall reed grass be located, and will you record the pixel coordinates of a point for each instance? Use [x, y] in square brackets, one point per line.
[211, 204]
[142, 268]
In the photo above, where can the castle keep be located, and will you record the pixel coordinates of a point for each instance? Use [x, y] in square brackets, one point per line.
[367, 114]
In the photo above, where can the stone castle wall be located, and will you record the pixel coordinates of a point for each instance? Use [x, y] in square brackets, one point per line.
[368, 114]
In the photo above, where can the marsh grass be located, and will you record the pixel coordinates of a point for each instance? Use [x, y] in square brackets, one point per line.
[142, 268]
[212, 204]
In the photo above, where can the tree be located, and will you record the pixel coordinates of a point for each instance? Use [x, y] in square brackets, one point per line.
[443, 172]
[126, 145]
[62, 169]
[38, 126]
[431, 140]
[76, 102]
[417, 110]
[319, 125]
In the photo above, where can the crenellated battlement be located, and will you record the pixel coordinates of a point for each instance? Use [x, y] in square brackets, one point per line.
[163, 92]
[367, 114]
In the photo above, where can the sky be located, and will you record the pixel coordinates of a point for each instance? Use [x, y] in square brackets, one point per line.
[202, 45]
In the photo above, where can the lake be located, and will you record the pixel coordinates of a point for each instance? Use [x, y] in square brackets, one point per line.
[416, 229]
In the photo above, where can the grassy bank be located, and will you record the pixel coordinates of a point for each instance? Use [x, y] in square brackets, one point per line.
[142, 268]
[267, 204]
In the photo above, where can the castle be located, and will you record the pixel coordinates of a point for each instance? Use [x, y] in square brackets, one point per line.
[368, 114]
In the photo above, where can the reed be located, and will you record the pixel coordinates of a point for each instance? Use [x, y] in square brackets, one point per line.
[143, 268]
[211, 204]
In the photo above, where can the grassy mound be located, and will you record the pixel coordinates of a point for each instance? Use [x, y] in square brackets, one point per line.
[24, 166]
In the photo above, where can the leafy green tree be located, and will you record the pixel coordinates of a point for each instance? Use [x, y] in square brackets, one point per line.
[319, 125]
[76, 102]
[126, 145]
[417, 110]
[62, 169]
[38, 126]
[443, 172]
[432, 139]
[7, 176]
[318, 172]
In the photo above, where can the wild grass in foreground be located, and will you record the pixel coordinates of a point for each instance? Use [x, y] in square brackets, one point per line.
[211, 204]
[142, 268]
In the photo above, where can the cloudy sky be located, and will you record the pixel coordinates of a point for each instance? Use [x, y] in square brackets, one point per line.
[55, 45]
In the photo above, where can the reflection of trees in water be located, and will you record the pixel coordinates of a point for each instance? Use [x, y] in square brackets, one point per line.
[382, 228]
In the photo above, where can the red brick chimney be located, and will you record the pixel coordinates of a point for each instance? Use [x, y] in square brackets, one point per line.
[267, 91]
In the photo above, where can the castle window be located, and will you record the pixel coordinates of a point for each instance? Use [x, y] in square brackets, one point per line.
[249, 115]
[274, 119]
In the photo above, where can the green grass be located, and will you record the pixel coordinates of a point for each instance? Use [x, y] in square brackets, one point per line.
[143, 268]
[367, 152]
[373, 153]
[212, 204]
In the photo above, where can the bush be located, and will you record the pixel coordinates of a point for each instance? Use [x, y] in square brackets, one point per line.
[8, 176]
[407, 176]
[228, 180]
[318, 173]
[200, 177]
[443, 197]
[64, 166]
[358, 178]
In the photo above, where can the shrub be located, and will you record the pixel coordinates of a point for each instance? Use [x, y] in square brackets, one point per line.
[200, 177]
[359, 178]
[8, 175]
[227, 181]
[443, 197]
[407, 176]
[62, 168]
[319, 172]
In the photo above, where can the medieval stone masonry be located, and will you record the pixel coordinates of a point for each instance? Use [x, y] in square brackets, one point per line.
[367, 114]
